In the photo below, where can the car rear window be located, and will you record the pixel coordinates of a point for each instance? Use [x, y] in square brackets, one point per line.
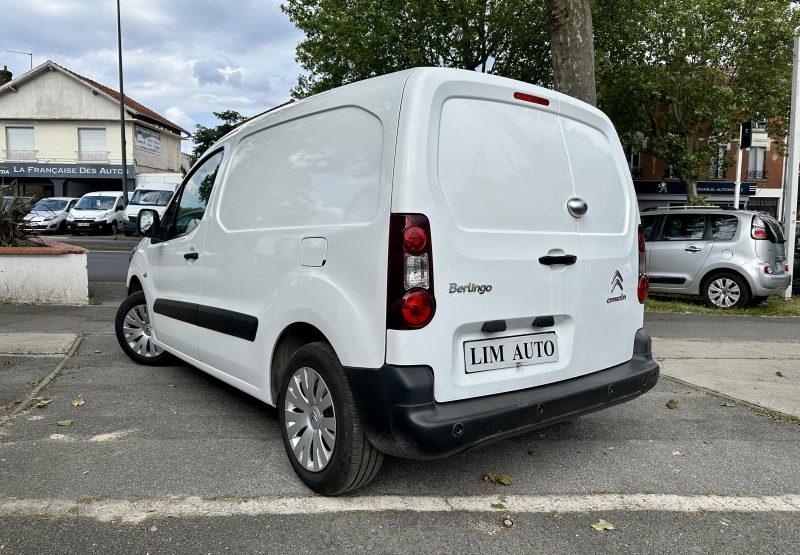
[774, 230]
[724, 227]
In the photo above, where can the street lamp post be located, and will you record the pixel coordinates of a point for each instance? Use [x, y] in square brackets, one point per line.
[122, 111]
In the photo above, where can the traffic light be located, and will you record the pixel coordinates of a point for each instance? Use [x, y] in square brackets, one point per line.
[747, 135]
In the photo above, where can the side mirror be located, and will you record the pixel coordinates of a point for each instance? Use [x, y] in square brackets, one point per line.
[148, 224]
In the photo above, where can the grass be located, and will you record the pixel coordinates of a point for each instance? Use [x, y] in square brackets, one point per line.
[774, 306]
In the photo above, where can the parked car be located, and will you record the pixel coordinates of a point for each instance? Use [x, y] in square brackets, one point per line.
[413, 278]
[731, 258]
[50, 214]
[97, 211]
[152, 195]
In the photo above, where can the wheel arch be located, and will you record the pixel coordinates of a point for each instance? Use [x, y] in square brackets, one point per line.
[725, 270]
[290, 339]
[134, 285]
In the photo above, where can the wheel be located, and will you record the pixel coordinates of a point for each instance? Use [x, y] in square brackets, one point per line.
[726, 290]
[755, 301]
[62, 227]
[128, 233]
[134, 334]
[319, 424]
[114, 227]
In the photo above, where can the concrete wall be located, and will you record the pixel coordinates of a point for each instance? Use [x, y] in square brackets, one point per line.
[44, 279]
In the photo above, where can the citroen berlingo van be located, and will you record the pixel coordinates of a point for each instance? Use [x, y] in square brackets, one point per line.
[413, 265]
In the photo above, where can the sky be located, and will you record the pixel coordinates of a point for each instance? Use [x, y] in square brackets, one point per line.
[185, 59]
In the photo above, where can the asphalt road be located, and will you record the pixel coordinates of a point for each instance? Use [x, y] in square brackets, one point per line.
[107, 265]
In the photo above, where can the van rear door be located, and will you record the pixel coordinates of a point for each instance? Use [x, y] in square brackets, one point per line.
[521, 299]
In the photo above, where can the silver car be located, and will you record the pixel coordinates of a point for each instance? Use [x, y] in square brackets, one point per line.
[50, 214]
[731, 258]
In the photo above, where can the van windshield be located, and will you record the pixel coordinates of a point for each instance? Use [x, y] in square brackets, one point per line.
[151, 198]
[96, 203]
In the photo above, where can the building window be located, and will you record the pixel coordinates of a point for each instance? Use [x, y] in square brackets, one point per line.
[19, 143]
[755, 165]
[717, 168]
[635, 163]
[92, 145]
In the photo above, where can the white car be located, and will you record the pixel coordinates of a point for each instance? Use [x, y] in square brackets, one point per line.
[99, 211]
[50, 214]
[413, 265]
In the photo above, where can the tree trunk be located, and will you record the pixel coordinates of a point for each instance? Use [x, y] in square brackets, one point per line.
[692, 198]
[572, 48]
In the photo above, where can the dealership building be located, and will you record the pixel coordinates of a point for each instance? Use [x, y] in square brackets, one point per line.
[60, 136]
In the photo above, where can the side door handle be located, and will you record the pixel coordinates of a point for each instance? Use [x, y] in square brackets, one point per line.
[565, 259]
[692, 249]
[191, 255]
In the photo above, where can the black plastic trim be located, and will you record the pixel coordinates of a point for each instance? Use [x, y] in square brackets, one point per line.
[401, 418]
[566, 259]
[494, 326]
[666, 280]
[220, 320]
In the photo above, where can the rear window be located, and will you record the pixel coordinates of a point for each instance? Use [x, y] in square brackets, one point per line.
[724, 227]
[774, 230]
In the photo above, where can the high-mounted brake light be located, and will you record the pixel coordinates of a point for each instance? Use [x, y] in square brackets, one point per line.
[643, 287]
[410, 303]
[530, 98]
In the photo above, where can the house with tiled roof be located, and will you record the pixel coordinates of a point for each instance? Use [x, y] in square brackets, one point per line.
[60, 135]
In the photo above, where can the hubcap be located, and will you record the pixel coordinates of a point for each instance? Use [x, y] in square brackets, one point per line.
[310, 419]
[724, 292]
[138, 333]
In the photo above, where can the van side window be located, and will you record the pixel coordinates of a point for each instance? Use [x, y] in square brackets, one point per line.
[723, 227]
[184, 214]
[684, 227]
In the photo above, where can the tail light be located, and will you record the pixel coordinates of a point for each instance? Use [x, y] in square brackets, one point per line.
[758, 229]
[643, 287]
[410, 303]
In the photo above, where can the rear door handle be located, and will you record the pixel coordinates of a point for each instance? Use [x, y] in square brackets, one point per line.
[692, 249]
[565, 259]
[191, 255]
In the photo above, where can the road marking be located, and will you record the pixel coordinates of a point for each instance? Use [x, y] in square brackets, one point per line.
[112, 510]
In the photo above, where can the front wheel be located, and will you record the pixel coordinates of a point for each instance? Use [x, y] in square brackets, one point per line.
[726, 290]
[135, 334]
[320, 426]
[114, 227]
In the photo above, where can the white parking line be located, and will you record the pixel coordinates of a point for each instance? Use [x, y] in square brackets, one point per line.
[108, 510]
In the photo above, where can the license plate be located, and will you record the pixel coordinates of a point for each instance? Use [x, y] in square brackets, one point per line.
[83, 225]
[510, 352]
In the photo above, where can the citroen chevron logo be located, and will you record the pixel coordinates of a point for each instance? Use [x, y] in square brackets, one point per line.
[616, 281]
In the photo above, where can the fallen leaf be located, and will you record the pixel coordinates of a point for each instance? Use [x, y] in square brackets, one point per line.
[504, 479]
[79, 402]
[672, 403]
[498, 506]
[727, 405]
[65, 422]
[601, 525]
[42, 402]
[780, 375]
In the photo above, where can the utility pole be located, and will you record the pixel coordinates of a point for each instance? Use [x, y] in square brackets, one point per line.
[122, 112]
[790, 182]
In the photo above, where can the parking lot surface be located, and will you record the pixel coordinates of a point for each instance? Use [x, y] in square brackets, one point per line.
[168, 459]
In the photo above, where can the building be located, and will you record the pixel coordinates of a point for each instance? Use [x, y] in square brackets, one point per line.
[761, 179]
[60, 136]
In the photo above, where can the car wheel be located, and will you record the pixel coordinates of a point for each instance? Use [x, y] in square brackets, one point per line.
[320, 426]
[134, 333]
[726, 290]
[755, 301]
[128, 233]
[62, 227]
[114, 227]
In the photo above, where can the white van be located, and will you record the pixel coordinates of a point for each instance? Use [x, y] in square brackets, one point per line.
[415, 265]
[152, 195]
[99, 211]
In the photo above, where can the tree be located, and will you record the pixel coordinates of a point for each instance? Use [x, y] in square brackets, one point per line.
[678, 76]
[349, 40]
[572, 48]
[204, 137]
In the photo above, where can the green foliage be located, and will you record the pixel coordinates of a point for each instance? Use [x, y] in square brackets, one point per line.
[12, 211]
[204, 137]
[677, 77]
[350, 40]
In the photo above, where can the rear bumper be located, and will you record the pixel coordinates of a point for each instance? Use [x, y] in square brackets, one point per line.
[401, 418]
[772, 284]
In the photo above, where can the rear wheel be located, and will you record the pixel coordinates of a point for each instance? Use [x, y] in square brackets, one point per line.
[755, 301]
[726, 290]
[134, 332]
[319, 424]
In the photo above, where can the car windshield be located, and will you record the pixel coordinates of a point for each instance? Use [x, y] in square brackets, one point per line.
[151, 198]
[50, 205]
[95, 203]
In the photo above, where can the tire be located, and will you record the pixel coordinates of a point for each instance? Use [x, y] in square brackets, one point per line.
[755, 301]
[726, 290]
[128, 233]
[132, 328]
[349, 461]
[114, 227]
[62, 227]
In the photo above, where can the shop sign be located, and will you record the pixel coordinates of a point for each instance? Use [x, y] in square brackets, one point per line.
[63, 171]
[146, 139]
